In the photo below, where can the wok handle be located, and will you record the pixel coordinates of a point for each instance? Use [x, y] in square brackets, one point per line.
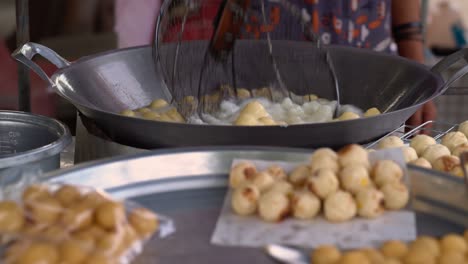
[449, 61]
[26, 53]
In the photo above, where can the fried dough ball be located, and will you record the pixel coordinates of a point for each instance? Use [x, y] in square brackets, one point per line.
[273, 206]
[458, 150]
[454, 139]
[369, 203]
[151, 116]
[246, 120]
[158, 104]
[452, 257]
[109, 215]
[390, 142]
[386, 171]
[255, 109]
[45, 210]
[409, 153]
[340, 206]
[394, 249]
[54, 233]
[33, 229]
[277, 172]
[13, 251]
[110, 244]
[422, 162]
[396, 195]
[144, 221]
[243, 93]
[458, 171]
[324, 162]
[305, 205]
[354, 178]
[453, 242]
[241, 174]
[263, 181]
[43, 253]
[85, 238]
[34, 192]
[418, 257]
[283, 187]
[433, 152]
[175, 115]
[128, 112]
[326, 254]
[426, 243]
[463, 127]
[67, 195]
[373, 255]
[421, 142]
[391, 261]
[372, 112]
[354, 257]
[328, 152]
[353, 154]
[71, 252]
[267, 121]
[143, 110]
[348, 116]
[245, 199]
[97, 258]
[11, 217]
[446, 163]
[93, 199]
[323, 183]
[299, 175]
[77, 217]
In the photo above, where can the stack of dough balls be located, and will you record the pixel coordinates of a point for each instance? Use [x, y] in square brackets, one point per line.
[425, 151]
[341, 185]
[158, 110]
[71, 226]
[450, 249]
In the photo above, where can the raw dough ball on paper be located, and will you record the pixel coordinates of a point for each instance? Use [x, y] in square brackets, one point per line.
[353, 154]
[354, 178]
[426, 243]
[324, 162]
[328, 152]
[422, 162]
[434, 152]
[463, 127]
[421, 142]
[348, 116]
[458, 150]
[305, 205]
[277, 172]
[244, 200]
[354, 257]
[386, 171]
[453, 242]
[390, 142]
[396, 195]
[11, 217]
[372, 112]
[282, 187]
[369, 203]
[446, 163]
[373, 255]
[453, 139]
[394, 249]
[273, 206]
[340, 206]
[323, 183]
[325, 255]
[298, 176]
[452, 257]
[128, 113]
[241, 173]
[262, 180]
[409, 153]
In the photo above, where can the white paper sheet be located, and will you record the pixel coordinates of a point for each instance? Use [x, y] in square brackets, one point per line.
[251, 231]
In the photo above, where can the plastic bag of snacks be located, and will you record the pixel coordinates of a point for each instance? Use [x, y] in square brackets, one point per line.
[73, 224]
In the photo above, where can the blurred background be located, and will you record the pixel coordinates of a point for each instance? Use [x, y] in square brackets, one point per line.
[76, 28]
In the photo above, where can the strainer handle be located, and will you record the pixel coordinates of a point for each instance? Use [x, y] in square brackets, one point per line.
[26, 53]
[448, 62]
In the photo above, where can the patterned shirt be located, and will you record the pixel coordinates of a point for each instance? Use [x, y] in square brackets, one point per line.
[357, 23]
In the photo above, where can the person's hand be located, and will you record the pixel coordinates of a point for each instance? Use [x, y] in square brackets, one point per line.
[426, 113]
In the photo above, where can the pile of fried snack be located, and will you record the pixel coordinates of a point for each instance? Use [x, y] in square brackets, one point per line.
[340, 184]
[450, 249]
[425, 151]
[70, 225]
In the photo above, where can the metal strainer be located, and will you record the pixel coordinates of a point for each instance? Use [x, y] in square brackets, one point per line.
[226, 32]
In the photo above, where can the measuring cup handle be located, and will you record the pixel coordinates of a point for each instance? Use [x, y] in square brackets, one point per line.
[449, 61]
[26, 53]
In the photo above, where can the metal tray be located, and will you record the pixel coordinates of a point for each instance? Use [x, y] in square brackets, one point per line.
[189, 185]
